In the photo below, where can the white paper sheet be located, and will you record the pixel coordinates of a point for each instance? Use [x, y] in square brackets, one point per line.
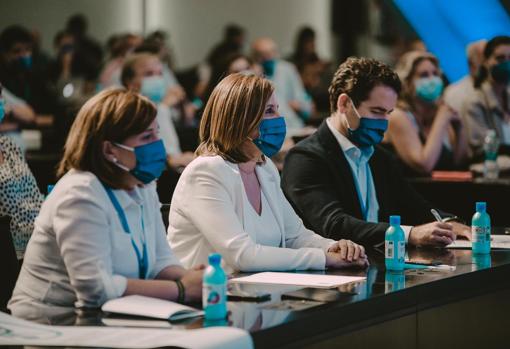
[14, 331]
[150, 307]
[497, 241]
[305, 280]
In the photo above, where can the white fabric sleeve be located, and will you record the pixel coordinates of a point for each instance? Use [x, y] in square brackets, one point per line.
[407, 231]
[167, 131]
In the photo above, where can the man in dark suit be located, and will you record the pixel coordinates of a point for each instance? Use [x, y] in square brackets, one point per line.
[342, 183]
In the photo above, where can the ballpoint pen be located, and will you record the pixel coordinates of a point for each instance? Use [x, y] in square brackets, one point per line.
[436, 215]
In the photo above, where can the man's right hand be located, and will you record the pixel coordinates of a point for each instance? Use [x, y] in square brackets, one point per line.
[432, 234]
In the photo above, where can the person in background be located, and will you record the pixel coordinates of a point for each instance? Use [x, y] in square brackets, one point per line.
[296, 105]
[120, 47]
[425, 133]
[342, 183]
[17, 74]
[143, 73]
[100, 234]
[488, 107]
[455, 94]
[233, 42]
[232, 63]
[229, 200]
[304, 48]
[20, 198]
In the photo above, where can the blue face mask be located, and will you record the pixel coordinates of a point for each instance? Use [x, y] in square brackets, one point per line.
[501, 72]
[370, 131]
[150, 161]
[429, 89]
[2, 110]
[26, 61]
[269, 67]
[271, 135]
[154, 88]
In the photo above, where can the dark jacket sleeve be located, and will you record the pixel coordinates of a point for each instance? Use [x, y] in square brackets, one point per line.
[309, 186]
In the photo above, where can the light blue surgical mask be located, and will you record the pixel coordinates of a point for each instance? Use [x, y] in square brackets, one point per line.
[2, 110]
[429, 89]
[370, 131]
[269, 67]
[154, 88]
[26, 61]
[271, 135]
[150, 160]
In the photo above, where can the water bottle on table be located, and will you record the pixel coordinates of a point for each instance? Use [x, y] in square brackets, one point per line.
[214, 293]
[394, 245]
[481, 230]
[490, 147]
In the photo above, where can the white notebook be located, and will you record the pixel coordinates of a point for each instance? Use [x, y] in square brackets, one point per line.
[296, 279]
[150, 307]
[497, 241]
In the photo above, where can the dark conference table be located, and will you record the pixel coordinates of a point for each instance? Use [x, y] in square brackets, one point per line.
[465, 308]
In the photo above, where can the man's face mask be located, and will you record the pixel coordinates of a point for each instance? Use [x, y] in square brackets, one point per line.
[269, 66]
[370, 131]
[501, 72]
[429, 89]
[154, 88]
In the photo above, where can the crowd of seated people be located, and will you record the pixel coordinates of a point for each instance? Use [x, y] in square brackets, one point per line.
[120, 121]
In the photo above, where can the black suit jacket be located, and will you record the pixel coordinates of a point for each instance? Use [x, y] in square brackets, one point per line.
[318, 182]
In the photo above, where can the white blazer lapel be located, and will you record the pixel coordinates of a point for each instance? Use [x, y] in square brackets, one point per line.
[269, 187]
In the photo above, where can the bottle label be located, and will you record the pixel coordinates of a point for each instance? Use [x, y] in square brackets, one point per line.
[401, 251]
[389, 249]
[481, 234]
[213, 294]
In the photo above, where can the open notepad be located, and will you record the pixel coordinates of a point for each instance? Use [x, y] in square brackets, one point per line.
[296, 279]
[497, 241]
[150, 307]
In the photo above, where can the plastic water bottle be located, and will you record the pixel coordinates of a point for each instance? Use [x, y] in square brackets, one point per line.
[490, 147]
[394, 281]
[481, 230]
[214, 292]
[394, 245]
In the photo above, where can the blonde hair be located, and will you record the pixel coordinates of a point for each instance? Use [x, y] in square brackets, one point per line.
[112, 115]
[234, 110]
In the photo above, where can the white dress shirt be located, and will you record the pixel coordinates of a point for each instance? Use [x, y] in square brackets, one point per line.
[362, 175]
[207, 215]
[79, 253]
[167, 130]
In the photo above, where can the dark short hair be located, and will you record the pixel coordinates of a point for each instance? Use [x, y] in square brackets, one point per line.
[12, 35]
[493, 43]
[357, 77]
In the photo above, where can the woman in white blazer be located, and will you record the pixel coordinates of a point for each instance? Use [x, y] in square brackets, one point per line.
[100, 234]
[229, 200]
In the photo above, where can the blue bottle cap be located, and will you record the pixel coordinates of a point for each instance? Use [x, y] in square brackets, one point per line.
[394, 220]
[214, 258]
[481, 206]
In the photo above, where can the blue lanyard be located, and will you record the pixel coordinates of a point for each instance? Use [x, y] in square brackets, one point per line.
[142, 259]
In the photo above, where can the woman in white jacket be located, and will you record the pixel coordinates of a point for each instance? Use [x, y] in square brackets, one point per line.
[100, 234]
[229, 200]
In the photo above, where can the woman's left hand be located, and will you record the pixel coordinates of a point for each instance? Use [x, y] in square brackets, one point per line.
[348, 250]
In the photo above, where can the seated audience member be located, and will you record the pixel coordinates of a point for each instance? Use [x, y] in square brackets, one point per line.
[488, 107]
[120, 47]
[142, 72]
[229, 200]
[18, 75]
[455, 94]
[295, 104]
[342, 183]
[233, 63]
[425, 133]
[20, 198]
[100, 234]
[17, 113]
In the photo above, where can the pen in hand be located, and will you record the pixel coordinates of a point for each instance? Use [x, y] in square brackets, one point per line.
[436, 215]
